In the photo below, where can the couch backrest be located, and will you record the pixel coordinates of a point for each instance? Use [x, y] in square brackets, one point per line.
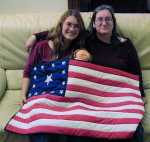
[15, 29]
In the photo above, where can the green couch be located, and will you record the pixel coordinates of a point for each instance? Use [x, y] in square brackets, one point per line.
[14, 31]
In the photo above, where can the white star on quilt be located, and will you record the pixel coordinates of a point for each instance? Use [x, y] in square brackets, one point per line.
[48, 79]
[34, 77]
[63, 83]
[53, 65]
[35, 93]
[29, 94]
[63, 63]
[42, 67]
[61, 91]
[35, 68]
[63, 72]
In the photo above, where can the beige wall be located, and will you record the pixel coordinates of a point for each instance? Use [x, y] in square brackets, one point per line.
[24, 6]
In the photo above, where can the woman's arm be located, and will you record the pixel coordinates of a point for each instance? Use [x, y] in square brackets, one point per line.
[134, 65]
[31, 41]
[33, 58]
[24, 88]
[42, 51]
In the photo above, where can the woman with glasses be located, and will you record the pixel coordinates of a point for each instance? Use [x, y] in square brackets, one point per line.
[109, 49]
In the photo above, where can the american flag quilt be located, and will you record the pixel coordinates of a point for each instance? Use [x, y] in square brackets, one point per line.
[79, 98]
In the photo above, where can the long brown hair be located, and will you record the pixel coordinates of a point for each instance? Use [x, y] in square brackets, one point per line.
[55, 33]
[100, 8]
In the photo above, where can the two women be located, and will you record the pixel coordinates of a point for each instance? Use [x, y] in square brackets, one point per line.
[103, 43]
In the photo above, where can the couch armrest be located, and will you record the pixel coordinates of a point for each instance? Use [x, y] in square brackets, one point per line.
[3, 82]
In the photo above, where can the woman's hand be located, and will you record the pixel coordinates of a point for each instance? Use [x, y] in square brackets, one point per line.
[24, 99]
[24, 89]
[30, 42]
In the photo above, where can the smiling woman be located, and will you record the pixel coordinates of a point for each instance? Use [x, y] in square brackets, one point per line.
[110, 49]
[60, 42]
[104, 24]
[70, 28]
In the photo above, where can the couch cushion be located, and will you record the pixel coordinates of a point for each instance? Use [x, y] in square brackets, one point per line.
[146, 79]
[2, 82]
[14, 31]
[137, 30]
[14, 78]
[9, 105]
[146, 119]
[11, 137]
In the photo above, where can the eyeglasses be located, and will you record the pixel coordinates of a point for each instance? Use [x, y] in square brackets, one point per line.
[100, 20]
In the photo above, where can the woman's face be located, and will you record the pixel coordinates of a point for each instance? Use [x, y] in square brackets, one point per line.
[70, 28]
[104, 22]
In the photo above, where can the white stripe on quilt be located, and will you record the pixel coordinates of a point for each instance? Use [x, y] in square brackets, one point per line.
[102, 75]
[75, 124]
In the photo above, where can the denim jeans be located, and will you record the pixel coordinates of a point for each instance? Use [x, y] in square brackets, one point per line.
[40, 137]
[139, 134]
[46, 137]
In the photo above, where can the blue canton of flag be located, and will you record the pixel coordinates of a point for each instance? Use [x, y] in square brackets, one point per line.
[49, 77]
